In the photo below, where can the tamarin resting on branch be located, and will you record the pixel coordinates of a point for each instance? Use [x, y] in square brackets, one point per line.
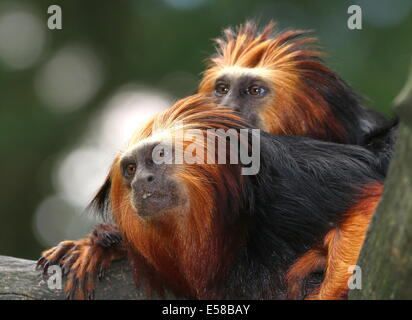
[205, 231]
[279, 83]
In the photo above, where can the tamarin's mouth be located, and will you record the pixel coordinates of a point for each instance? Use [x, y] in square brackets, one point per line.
[151, 203]
[153, 195]
[146, 195]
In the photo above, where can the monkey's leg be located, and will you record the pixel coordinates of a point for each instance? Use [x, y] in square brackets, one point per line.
[344, 244]
[84, 260]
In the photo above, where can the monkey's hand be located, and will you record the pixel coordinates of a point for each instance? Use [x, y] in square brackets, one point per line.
[84, 260]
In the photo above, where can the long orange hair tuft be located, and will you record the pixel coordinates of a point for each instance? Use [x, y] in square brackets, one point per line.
[291, 63]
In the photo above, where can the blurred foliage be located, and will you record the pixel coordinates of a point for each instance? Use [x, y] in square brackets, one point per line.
[145, 40]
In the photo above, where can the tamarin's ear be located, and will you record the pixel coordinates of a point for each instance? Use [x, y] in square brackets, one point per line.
[101, 201]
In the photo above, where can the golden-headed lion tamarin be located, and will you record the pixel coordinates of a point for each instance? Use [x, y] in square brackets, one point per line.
[280, 84]
[205, 231]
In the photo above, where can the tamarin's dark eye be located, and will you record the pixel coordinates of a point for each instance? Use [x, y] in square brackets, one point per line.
[256, 90]
[221, 89]
[130, 170]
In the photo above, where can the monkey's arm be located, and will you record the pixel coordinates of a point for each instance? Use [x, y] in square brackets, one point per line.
[340, 251]
[84, 260]
[344, 244]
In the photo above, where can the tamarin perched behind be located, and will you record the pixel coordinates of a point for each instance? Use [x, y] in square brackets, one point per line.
[280, 84]
[205, 231]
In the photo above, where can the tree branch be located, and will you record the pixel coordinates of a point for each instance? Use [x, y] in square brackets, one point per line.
[19, 280]
[386, 257]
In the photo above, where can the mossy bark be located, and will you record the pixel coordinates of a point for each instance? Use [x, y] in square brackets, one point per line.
[19, 280]
[386, 257]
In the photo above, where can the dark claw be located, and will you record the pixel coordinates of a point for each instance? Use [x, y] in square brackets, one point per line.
[85, 279]
[101, 273]
[90, 295]
[46, 268]
[73, 290]
[70, 295]
[117, 237]
[60, 254]
[67, 255]
[65, 269]
[68, 264]
[39, 262]
[109, 238]
[53, 262]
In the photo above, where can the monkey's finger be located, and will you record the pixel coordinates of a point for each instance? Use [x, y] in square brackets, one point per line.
[103, 267]
[88, 285]
[91, 267]
[109, 239]
[90, 295]
[80, 274]
[45, 269]
[44, 258]
[75, 286]
[58, 254]
[54, 255]
[40, 262]
[101, 273]
[68, 262]
[71, 288]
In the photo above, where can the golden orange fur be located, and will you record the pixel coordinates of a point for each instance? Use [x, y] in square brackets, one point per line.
[339, 251]
[291, 63]
[192, 230]
[284, 61]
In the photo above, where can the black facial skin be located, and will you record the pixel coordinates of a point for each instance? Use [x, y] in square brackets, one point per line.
[246, 94]
[153, 189]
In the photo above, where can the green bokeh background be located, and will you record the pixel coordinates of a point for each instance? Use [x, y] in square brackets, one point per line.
[144, 40]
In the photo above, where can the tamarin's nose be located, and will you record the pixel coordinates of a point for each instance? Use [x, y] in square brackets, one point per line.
[235, 107]
[230, 104]
[146, 178]
[143, 180]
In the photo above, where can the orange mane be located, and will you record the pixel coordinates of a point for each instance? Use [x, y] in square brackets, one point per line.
[193, 232]
[291, 64]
